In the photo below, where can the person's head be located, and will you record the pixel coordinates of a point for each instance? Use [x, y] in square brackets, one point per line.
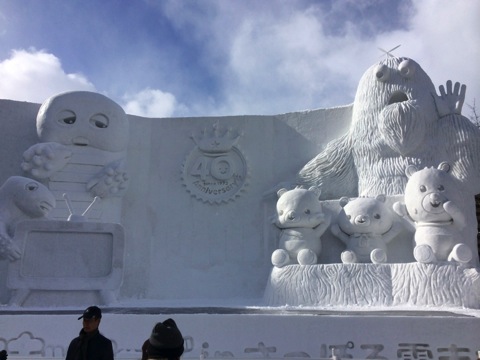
[165, 342]
[91, 318]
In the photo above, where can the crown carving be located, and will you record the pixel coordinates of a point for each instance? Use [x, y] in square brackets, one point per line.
[216, 140]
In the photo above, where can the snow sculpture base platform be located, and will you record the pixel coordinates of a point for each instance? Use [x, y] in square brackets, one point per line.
[253, 333]
[374, 285]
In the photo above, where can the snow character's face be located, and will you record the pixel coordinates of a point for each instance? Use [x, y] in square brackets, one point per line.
[82, 118]
[365, 216]
[426, 192]
[397, 95]
[31, 197]
[299, 208]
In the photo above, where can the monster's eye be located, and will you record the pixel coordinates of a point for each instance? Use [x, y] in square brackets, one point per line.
[382, 72]
[407, 68]
[423, 188]
[377, 216]
[66, 117]
[280, 212]
[349, 217]
[441, 188]
[31, 186]
[99, 121]
[307, 211]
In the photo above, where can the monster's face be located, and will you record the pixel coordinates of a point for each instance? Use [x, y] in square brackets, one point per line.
[396, 96]
[83, 118]
[393, 82]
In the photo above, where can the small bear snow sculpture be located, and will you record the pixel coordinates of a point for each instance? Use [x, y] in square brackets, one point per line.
[365, 225]
[20, 199]
[301, 218]
[434, 203]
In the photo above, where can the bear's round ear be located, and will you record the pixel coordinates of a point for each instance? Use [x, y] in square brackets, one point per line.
[444, 166]
[410, 170]
[316, 190]
[381, 198]
[343, 201]
[281, 192]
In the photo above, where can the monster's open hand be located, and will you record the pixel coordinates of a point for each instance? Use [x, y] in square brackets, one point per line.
[451, 101]
[112, 181]
[44, 159]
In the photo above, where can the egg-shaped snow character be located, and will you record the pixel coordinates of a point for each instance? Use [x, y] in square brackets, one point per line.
[82, 152]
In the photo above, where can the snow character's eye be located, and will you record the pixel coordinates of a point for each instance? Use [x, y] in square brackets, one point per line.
[382, 72]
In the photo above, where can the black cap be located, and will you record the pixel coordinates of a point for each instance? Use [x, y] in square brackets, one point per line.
[91, 312]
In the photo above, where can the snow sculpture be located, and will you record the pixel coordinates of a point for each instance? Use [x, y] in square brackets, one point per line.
[84, 136]
[20, 199]
[301, 218]
[365, 225]
[434, 202]
[397, 120]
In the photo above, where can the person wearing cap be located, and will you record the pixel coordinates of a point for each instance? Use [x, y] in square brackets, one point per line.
[165, 342]
[90, 344]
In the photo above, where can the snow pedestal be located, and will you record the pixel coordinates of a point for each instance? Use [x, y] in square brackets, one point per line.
[258, 333]
[374, 285]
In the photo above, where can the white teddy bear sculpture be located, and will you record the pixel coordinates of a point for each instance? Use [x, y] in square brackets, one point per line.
[302, 220]
[433, 202]
[365, 225]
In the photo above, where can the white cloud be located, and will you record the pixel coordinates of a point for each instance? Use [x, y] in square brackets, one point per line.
[36, 75]
[291, 62]
[152, 103]
[443, 37]
[447, 35]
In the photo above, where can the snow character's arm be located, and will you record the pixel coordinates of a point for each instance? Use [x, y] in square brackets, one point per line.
[111, 181]
[44, 159]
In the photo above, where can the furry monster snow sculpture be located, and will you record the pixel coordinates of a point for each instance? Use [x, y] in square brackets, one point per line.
[84, 136]
[20, 199]
[433, 201]
[365, 225]
[397, 120]
[301, 218]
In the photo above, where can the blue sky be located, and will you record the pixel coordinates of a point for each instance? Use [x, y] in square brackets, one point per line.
[163, 58]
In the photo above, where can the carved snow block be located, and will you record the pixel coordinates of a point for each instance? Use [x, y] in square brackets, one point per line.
[330, 285]
[333, 285]
[67, 256]
[436, 285]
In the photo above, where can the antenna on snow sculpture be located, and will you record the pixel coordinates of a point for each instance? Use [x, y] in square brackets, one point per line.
[389, 52]
[75, 217]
